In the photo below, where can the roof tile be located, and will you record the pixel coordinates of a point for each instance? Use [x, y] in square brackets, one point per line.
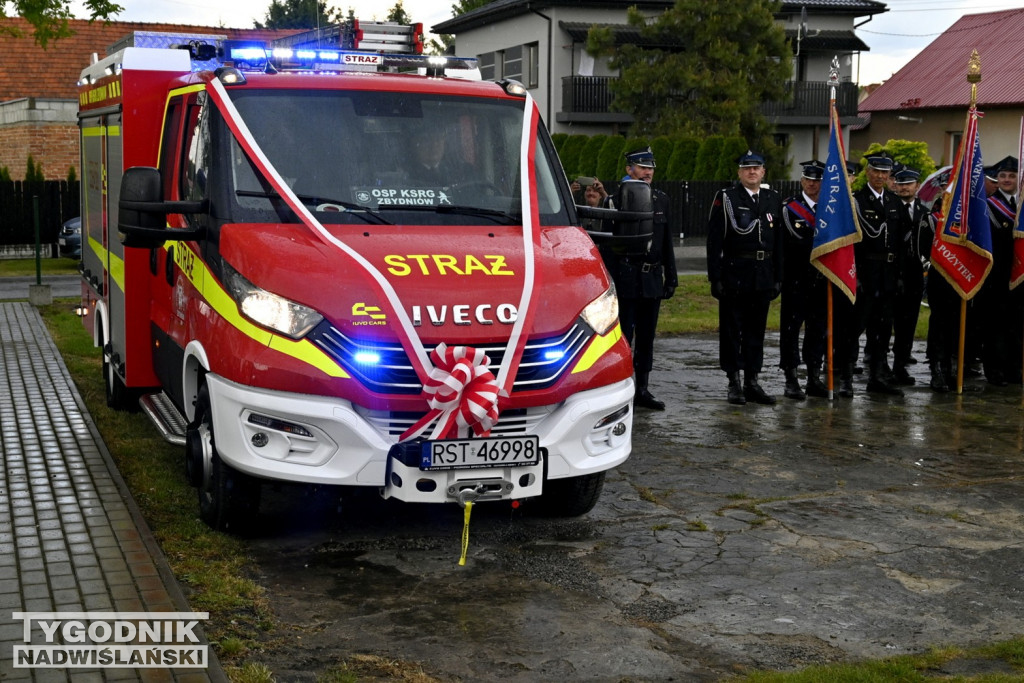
[937, 76]
[31, 71]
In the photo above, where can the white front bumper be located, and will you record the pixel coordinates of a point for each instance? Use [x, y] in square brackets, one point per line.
[324, 440]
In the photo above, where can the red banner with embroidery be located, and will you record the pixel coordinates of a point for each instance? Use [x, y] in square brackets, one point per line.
[1017, 267]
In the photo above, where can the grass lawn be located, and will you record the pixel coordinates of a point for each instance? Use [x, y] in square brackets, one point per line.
[47, 266]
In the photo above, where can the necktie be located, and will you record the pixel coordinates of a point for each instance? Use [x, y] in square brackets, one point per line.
[754, 197]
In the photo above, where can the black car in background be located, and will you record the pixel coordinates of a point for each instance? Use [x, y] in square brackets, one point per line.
[69, 240]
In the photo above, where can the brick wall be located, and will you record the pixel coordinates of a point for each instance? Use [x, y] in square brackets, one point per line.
[44, 128]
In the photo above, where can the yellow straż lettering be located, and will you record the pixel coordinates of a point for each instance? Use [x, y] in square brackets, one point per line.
[398, 265]
[444, 261]
[498, 265]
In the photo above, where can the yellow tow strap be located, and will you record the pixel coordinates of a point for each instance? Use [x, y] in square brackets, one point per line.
[465, 532]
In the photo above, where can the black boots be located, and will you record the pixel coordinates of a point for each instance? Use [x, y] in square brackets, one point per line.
[752, 391]
[846, 382]
[736, 390]
[793, 389]
[879, 383]
[643, 397]
[815, 387]
[938, 383]
[900, 375]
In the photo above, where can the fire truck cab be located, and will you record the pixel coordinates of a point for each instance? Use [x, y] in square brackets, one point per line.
[307, 265]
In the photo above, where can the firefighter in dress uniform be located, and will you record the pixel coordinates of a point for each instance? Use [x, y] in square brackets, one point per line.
[744, 251]
[916, 253]
[804, 289]
[642, 281]
[999, 308]
[882, 220]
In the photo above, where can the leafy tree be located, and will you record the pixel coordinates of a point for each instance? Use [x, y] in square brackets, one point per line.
[299, 14]
[683, 159]
[398, 15]
[49, 18]
[570, 155]
[72, 175]
[610, 160]
[662, 147]
[706, 165]
[732, 148]
[702, 68]
[558, 139]
[911, 154]
[5, 174]
[590, 153]
[33, 171]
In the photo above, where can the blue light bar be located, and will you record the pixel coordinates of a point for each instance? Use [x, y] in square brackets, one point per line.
[367, 357]
[555, 354]
[248, 54]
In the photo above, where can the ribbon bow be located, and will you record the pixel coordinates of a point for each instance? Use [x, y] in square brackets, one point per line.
[462, 393]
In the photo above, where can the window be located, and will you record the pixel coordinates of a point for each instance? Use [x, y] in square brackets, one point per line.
[531, 70]
[513, 63]
[193, 185]
[486, 63]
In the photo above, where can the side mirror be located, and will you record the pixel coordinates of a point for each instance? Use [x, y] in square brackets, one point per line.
[142, 212]
[629, 229]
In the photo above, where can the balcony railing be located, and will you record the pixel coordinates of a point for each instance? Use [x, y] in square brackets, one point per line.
[810, 99]
[588, 95]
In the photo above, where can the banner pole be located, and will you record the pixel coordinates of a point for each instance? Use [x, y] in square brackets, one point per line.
[960, 349]
[828, 343]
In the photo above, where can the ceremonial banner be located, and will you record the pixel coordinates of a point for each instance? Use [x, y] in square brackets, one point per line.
[836, 227]
[962, 248]
[1017, 269]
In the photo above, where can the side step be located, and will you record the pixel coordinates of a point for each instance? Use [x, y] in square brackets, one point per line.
[166, 416]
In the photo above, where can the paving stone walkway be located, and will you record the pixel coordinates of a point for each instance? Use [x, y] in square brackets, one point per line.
[71, 538]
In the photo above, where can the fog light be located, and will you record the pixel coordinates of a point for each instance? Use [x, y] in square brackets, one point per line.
[619, 429]
[259, 439]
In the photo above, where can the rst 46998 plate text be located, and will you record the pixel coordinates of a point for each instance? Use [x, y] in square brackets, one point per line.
[476, 453]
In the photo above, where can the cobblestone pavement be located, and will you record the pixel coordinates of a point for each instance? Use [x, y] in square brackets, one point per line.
[71, 538]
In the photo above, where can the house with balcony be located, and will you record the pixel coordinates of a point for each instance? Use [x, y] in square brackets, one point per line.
[542, 44]
[927, 99]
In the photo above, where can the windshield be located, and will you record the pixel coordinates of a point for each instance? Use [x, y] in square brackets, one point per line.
[361, 156]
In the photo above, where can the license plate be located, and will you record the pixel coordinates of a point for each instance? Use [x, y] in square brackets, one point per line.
[468, 454]
[61, 241]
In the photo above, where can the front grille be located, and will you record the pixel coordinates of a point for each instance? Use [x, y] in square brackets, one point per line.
[512, 422]
[386, 369]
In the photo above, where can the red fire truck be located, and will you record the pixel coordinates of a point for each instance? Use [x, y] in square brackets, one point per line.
[345, 268]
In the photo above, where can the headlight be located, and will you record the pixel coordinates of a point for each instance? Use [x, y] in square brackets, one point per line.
[269, 310]
[602, 312]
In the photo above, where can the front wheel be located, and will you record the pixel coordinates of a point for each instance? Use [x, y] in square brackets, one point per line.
[570, 497]
[229, 500]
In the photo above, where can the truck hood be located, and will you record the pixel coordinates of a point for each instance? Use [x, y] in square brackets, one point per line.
[455, 284]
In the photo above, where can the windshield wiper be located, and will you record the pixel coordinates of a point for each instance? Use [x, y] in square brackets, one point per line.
[494, 214]
[351, 208]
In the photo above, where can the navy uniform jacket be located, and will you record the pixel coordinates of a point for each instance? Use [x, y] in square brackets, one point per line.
[738, 233]
[798, 240]
[917, 245]
[883, 223]
[1001, 217]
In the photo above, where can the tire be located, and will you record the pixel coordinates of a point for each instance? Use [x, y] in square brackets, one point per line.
[570, 497]
[117, 394]
[229, 500]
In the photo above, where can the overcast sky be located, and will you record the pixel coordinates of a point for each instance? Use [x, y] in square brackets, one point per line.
[894, 37]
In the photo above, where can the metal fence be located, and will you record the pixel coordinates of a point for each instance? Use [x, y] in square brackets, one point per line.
[57, 200]
[690, 202]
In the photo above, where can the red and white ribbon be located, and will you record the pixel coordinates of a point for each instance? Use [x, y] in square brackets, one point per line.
[462, 394]
[480, 418]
